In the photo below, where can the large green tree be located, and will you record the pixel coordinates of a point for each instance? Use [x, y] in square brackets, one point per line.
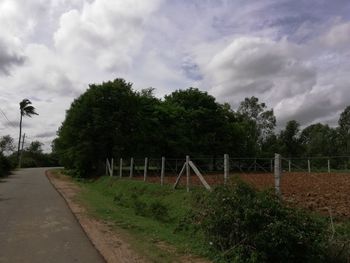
[344, 130]
[290, 142]
[258, 121]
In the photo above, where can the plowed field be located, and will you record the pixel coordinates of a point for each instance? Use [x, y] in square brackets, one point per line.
[321, 192]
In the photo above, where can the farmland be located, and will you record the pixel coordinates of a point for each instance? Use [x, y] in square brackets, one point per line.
[320, 192]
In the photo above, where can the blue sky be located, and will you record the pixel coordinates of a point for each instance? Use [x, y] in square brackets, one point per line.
[293, 55]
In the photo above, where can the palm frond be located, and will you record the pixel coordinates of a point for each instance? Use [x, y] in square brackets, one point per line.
[29, 111]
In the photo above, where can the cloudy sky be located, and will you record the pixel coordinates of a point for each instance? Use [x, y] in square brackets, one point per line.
[292, 54]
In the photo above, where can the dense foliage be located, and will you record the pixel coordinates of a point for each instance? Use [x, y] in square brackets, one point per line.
[244, 225]
[5, 165]
[112, 119]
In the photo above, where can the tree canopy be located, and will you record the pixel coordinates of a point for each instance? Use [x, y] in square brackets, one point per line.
[112, 119]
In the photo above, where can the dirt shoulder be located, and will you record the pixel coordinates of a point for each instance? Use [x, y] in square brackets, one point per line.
[107, 241]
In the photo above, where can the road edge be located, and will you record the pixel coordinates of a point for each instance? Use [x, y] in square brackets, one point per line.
[107, 245]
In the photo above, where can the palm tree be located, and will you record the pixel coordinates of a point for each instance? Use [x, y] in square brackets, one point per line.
[26, 110]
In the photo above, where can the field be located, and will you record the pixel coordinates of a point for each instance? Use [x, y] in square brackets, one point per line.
[320, 192]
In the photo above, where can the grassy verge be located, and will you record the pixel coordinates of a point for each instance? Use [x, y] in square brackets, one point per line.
[148, 216]
[149, 213]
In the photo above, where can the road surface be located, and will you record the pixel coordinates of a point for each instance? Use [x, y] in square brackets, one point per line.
[36, 225]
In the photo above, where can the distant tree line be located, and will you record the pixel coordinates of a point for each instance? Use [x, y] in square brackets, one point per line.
[111, 119]
[31, 156]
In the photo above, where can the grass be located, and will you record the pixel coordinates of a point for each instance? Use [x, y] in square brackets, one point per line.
[148, 215]
[148, 212]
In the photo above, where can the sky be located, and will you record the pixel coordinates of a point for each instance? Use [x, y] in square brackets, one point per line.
[294, 55]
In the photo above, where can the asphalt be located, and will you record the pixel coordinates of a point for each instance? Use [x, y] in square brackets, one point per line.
[36, 225]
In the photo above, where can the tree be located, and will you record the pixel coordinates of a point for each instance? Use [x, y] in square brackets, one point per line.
[6, 144]
[320, 140]
[290, 139]
[344, 129]
[26, 109]
[259, 122]
[35, 147]
[101, 123]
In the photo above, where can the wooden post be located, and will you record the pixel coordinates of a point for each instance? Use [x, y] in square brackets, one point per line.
[121, 167]
[289, 165]
[131, 166]
[309, 166]
[277, 173]
[162, 171]
[112, 167]
[329, 166]
[145, 169]
[226, 167]
[188, 173]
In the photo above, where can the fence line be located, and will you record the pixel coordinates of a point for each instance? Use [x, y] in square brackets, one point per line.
[226, 166]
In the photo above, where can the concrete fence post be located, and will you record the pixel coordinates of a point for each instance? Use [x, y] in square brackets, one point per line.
[277, 173]
[162, 171]
[289, 165]
[308, 166]
[121, 167]
[145, 169]
[131, 167]
[226, 167]
[112, 167]
[329, 166]
[188, 173]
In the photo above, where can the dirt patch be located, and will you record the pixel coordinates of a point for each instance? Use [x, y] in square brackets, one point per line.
[107, 241]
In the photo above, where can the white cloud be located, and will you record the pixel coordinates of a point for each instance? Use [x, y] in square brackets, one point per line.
[105, 33]
[296, 62]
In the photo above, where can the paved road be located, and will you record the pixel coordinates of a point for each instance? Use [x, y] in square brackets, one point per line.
[36, 225]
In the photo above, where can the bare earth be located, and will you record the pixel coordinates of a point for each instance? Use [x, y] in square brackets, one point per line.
[111, 246]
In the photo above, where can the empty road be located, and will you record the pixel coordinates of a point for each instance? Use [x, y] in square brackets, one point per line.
[36, 225]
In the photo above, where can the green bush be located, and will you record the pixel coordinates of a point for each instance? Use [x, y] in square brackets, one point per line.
[159, 211]
[244, 225]
[5, 165]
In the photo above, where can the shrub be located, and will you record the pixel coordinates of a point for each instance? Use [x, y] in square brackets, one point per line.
[140, 207]
[159, 211]
[244, 225]
[5, 165]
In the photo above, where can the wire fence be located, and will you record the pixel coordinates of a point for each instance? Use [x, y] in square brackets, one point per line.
[317, 183]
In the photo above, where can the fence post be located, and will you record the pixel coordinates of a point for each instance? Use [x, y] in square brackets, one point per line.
[329, 166]
[106, 166]
[121, 167]
[145, 169]
[226, 167]
[187, 173]
[131, 166]
[289, 165]
[162, 171]
[309, 166]
[277, 173]
[112, 167]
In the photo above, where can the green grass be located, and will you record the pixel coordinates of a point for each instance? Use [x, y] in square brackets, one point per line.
[128, 204]
[147, 216]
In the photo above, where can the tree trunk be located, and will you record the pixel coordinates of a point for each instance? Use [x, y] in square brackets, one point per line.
[19, 139]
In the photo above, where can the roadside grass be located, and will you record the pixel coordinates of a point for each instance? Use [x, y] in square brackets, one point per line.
[149, 213]
[148, 216]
